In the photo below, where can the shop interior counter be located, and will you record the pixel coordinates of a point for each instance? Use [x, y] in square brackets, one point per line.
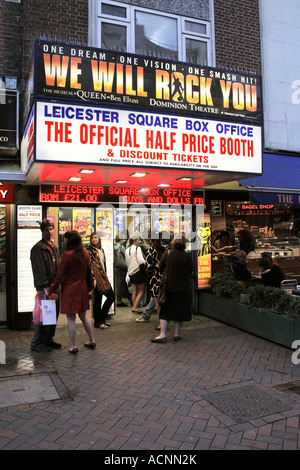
[289, 265]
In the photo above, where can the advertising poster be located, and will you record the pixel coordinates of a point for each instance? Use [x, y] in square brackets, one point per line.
[167, 221]
[104, 229]
[72, 72]
[82, 222]
[28, 234]
[203, 250]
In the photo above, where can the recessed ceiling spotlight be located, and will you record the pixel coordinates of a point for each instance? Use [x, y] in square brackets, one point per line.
[74, 179]
[138, 174]
[86, 170]
[163, 185]
[185, 178]
[121, 181]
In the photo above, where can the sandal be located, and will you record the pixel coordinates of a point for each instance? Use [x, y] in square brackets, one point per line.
[138, 310]
[103, 326]
[107, 324]
[73, 351]
[90, 345]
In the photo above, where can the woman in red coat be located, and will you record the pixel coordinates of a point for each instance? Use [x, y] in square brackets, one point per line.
[72, 275]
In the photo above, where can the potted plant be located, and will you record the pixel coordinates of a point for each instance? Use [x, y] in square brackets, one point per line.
[269, 312]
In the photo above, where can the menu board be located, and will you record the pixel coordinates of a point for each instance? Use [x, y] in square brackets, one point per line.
[29, 219]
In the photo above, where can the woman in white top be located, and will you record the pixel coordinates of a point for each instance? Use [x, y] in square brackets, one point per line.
[136, 270]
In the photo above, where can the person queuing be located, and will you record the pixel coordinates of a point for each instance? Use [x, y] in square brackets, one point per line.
[136, 270]
[45, 261]
[121, 272]
[102, 285]
[72, 276]
[178, 304]
[153, 257]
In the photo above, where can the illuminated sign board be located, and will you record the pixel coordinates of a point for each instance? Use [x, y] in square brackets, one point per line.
[7, 193]
[68, 193]
[71, 133]
[265, 207]
[203, 234]
[72, 72]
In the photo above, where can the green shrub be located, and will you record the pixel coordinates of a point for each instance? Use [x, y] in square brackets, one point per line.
[225, 285]
[259, 296]
[274, 299]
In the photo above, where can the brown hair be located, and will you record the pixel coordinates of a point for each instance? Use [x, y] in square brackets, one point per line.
[99, 243]
[178, 242]
[45, 224]
[74, 242]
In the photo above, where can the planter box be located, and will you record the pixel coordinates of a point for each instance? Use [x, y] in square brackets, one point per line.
[279, 329]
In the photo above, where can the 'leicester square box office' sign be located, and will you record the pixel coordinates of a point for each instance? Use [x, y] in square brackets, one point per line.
[89, 134]
[71, 72]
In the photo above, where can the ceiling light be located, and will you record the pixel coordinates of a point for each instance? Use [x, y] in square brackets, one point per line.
[137, 174]
[185, 178]
[86, 170]
[163, 185]
[121, 181]
[74, 179]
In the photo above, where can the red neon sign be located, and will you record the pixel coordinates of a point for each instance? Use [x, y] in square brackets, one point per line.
[89, 194]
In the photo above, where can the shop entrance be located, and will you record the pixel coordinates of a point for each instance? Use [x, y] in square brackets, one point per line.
[112, 222]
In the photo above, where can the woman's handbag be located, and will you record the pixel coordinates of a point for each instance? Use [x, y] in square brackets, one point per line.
[102, 281]
[103, 284]
[162, 293]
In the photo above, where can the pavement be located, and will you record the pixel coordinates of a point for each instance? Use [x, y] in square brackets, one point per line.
[219, 388]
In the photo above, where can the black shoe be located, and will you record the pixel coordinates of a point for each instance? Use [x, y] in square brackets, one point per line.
[159, 340]
[122, 304]
[52, 344]
[96, 325]
[41, 348]
[177, 338]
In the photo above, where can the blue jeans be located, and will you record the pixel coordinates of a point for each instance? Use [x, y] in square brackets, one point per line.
[149, 309]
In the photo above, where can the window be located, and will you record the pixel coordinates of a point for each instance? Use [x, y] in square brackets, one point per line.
[129, 28]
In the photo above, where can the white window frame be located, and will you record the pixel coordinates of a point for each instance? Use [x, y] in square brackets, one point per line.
[96, 18]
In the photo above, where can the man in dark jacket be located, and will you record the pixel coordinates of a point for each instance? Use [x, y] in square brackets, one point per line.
[44, 261]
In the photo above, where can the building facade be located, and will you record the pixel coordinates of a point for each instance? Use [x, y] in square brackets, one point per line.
[220, 38]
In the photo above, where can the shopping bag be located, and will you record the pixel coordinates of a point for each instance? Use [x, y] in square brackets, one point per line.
[48, 312]
[37, 307]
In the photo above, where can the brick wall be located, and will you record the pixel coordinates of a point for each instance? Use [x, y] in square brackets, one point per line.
[56, 20]
[237, 32]
[20, 24]
[10, 28]
[237, 35]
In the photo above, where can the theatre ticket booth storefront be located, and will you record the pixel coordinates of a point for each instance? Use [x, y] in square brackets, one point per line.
[112, 149]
